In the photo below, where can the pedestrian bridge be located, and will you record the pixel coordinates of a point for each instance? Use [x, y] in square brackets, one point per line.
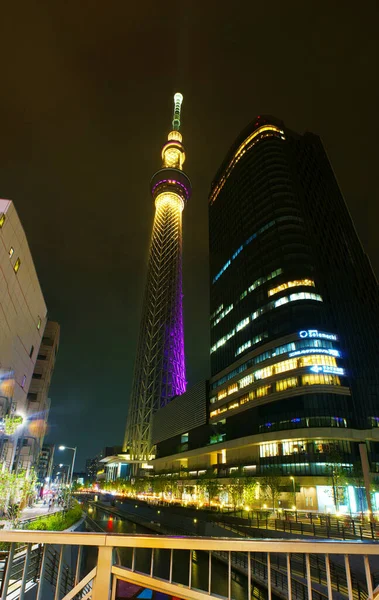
[145, 567]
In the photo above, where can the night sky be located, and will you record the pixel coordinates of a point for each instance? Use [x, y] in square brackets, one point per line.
[85, 106]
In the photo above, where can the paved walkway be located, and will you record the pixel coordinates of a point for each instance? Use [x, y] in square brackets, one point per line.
[38, 510]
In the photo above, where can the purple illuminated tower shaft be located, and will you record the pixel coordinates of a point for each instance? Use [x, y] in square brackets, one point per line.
[160, 364]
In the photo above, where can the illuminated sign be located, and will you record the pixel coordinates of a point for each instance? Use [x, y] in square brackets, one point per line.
[329, 351]
[314, 333]
[327, 370]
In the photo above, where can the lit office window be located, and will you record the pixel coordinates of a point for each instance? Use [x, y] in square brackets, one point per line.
[2, 219]
[284, 384]
[242, 324]
[247, 380]
[266, 450]
[262, 391]
[281, 301]
[320, 379]
[234, 404]
[243, 347]
[11, 252]
[286, 365]
[288, 284]
[263, 373]
[222, 315]
[317, 359]
[17, 265]
[232, 388]
[294, 447]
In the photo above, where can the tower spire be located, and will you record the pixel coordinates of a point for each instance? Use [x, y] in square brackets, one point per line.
[160, 372]
[178, 99]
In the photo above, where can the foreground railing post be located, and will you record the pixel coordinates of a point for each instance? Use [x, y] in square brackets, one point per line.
[78, 565]
[25, 571]
[289, 578]
[210, 572]
[309, 578]
[229, 575]
[348, 577]
[269, 576]
[7, 571]
[102, 583]
[42, 572]
[190, 570]
[59, 575]
[368, 576]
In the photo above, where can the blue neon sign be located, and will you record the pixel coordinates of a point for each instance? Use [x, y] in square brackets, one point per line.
[315, 333]
[327, 370]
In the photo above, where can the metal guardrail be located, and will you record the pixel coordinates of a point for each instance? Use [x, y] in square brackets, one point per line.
[318, 571]
[258, 558]
[24, 566]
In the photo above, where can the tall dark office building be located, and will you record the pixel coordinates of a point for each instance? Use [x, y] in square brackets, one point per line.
[289, 276]
[294, 317]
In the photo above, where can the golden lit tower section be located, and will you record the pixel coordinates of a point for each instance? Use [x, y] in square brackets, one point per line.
[159, 373]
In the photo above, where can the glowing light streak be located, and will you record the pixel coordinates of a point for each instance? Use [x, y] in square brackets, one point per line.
[271, 130]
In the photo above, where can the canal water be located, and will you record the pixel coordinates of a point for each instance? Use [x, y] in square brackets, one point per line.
[200, 561]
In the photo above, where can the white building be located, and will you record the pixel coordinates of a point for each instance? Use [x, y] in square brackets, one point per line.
[22, 323]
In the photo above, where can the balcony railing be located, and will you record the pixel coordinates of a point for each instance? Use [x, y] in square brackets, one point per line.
[304, 570]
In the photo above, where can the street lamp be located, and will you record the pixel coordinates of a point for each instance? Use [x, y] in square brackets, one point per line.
[73, 459]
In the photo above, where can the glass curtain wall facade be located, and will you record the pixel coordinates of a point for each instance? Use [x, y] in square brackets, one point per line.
[294, 301]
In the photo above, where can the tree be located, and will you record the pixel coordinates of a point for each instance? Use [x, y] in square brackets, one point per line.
[158, 485]
[236, 489]
[271, 484]
[251, 491]
[209, 485]
[337, 477]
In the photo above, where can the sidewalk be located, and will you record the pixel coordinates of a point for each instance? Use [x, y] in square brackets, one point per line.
[38, 510]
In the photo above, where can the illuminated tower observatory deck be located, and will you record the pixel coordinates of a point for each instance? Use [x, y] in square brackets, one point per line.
[160, 365]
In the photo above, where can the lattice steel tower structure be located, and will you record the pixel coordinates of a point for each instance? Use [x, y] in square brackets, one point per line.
[159, 373]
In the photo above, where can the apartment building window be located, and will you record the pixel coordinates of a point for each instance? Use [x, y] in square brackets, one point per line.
[39, 323]
[31, 351]
[37, 375]
[23, 381]
[2, 219]
[11, 251]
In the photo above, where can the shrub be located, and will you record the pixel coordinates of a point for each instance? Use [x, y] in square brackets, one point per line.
[58, 521]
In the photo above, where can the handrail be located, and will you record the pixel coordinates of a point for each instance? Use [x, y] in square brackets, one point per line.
[114, 540]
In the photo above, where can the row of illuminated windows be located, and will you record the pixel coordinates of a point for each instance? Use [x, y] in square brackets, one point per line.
[281, 367]
[263, 309]
[278, 386]
[303, 447]
[253, 237]
[247, 345]
[222, 314]
[260, 281]
[289, 284]
[277, 351]
[304, 422]
[217, 311]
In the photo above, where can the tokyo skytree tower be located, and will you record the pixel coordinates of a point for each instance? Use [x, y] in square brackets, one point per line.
[159, 372]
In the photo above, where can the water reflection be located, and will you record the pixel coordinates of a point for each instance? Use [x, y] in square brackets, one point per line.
[181, 559]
